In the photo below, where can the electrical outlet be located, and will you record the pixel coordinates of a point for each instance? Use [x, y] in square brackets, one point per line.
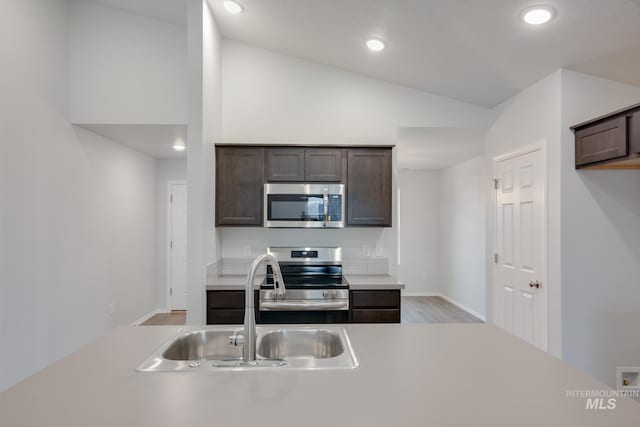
[366, 251]
[380, 251]
[628, 378]
[112, 309]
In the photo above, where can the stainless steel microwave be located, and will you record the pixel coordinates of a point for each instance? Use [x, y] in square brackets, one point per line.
[304, 205]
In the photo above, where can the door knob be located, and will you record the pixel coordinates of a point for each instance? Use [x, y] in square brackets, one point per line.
[535, 284]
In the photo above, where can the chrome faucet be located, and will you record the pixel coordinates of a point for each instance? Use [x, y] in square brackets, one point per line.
[248, 337]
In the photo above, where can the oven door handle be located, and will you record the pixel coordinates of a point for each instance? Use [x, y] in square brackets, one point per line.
[303, 305]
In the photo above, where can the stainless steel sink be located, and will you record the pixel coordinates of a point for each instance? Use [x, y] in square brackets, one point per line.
[314, 343]
[201, 345]
[277, 348]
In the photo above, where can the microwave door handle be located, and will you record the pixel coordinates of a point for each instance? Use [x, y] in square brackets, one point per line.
[325, 205]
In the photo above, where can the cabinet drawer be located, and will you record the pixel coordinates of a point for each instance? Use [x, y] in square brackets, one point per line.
[225, 299]
[375, 316]
[375, 299]
[225, 317]
[603, 141]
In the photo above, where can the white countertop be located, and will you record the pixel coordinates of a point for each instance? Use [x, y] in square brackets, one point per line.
[231, 282]
[356, 282]
[373, 282]
[409, 375]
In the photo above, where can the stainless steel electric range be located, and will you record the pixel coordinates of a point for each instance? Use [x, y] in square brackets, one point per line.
[316, 291]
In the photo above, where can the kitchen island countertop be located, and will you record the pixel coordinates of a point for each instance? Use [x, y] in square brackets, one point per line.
[409, 375]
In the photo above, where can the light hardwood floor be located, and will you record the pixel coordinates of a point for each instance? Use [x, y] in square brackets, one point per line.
[414, 310]
[433, 310]
[173, 318]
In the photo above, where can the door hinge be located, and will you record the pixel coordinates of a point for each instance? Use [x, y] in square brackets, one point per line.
[170, 291]
[171, 198]
[495, 183]
[495, 258]
[171, 244]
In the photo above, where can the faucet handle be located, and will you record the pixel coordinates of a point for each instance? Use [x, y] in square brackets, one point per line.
[236, 339]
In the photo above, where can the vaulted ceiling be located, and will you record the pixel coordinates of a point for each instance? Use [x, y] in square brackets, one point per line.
[478, 51]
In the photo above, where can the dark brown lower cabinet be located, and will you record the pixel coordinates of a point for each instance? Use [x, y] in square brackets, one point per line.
[375, 306]
[225, 317]
[227, 307]
[367, 315]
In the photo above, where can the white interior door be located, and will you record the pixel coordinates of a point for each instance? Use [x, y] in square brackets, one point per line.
[177, 246]
[521, 247]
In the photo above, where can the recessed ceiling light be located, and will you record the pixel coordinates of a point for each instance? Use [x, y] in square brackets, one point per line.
[179, 146]
[375, 45]
[537, 15]
[233, 7]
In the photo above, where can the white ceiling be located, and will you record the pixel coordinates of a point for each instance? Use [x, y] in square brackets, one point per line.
[171, 11]
[475, 51]
[154, 140]
[437, 148]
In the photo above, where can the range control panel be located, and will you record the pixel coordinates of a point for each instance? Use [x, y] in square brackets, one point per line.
[304, 254]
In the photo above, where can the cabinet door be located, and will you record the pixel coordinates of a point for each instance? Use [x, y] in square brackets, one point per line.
[323, 165]
[375, 316]
[602, 141]
[285, 164]
[369, 187]
[239, 185]
[634, 130]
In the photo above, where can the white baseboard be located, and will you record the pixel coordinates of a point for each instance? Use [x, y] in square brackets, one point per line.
[420, 294]
[465, 308]
[149, 316]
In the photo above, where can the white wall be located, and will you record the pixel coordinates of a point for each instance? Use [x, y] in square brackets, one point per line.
[529, 117]
[126, 68]
[600, 244]
[76, 210]
[462, 233]
[271, 97]
[419, 266]
[166, 170]
[205, 97]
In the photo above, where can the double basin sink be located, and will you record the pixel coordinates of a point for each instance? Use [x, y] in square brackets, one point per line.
[277, 348]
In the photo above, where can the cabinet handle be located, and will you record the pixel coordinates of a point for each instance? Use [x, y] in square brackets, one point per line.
[535, 284]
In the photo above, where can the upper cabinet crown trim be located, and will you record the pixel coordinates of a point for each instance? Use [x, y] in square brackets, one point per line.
[273, 145]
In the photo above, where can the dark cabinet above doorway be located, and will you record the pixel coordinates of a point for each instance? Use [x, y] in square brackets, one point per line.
[609, 142]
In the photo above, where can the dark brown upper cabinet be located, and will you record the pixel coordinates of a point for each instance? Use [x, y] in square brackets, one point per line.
[609, 142]
[239, 186]
[285, 164]
[297, 164]
[369, 187]
[324, 165]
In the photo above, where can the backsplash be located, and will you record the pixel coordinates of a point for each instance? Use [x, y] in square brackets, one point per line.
[373, 265]
[355, 242]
